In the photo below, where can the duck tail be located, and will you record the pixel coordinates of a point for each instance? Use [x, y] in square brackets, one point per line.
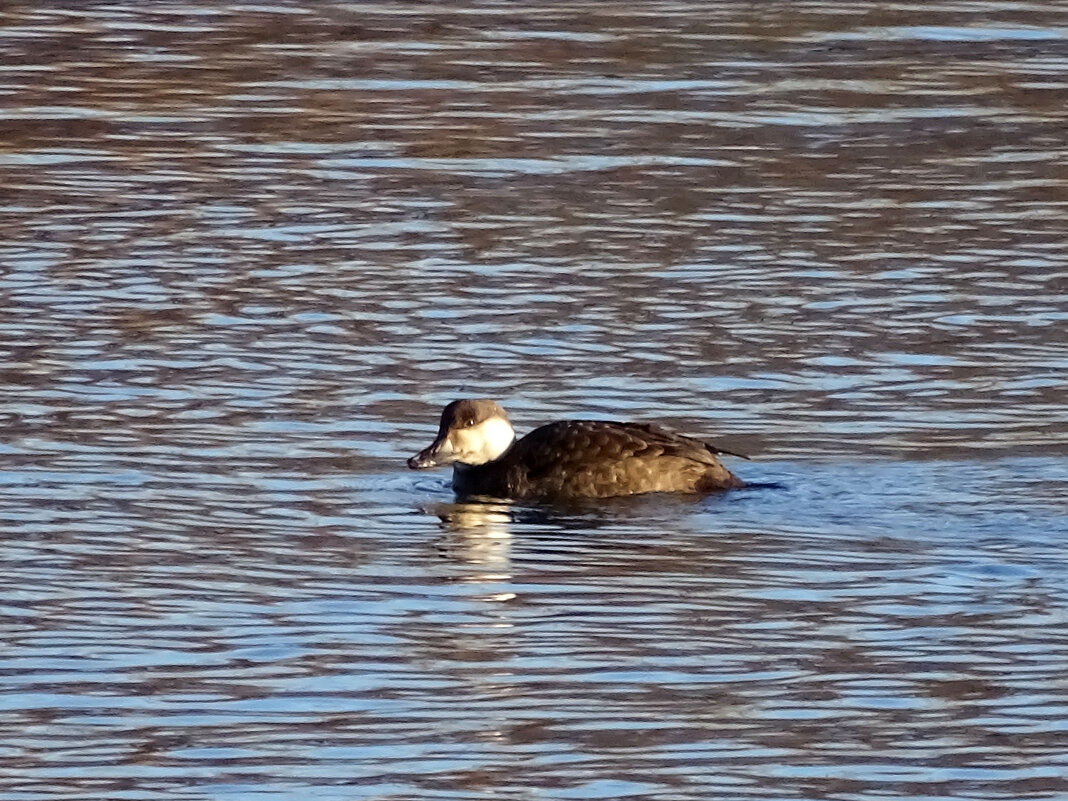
[717, 450]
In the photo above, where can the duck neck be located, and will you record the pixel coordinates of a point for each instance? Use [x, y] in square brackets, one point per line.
[478, 478]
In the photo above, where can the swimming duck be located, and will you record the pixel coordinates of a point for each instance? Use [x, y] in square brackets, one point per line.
[568, 459]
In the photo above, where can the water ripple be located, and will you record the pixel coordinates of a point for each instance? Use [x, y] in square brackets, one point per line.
[246, 253]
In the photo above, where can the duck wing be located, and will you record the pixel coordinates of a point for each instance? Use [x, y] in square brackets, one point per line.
[669, 436]
[574, 446]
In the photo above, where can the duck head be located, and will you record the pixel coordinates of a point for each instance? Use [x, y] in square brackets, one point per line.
[472, 432]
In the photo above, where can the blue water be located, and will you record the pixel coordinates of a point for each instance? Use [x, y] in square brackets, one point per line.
[247, 253]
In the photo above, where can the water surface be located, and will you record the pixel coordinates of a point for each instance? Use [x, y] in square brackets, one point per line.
[248, 251]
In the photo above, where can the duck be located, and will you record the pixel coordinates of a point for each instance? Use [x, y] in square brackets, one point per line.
[569, 459]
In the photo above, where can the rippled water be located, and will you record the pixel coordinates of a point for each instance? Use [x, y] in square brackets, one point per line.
[248, 251]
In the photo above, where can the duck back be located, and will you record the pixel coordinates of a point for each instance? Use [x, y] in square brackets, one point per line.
[597, 459]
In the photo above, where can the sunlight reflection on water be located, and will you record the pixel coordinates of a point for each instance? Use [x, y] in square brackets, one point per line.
[247, 253]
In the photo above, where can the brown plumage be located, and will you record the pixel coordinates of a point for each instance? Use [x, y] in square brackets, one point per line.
[568, 459]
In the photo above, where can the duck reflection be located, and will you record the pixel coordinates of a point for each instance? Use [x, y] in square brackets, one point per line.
[479, 533]
[481, 530]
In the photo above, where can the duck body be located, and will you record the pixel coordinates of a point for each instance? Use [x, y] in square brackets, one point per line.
[568, 459]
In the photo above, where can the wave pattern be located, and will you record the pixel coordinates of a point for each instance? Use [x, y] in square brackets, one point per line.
[248, 251]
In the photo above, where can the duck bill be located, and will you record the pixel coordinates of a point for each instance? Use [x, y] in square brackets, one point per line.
[439, 453]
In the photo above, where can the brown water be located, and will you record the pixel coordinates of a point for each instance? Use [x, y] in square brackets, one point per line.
[248, 251]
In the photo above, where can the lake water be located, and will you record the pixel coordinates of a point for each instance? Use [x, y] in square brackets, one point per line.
[248, 251]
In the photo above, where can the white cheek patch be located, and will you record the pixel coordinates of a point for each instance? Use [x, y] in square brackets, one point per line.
[484, 442]
[498, 435]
